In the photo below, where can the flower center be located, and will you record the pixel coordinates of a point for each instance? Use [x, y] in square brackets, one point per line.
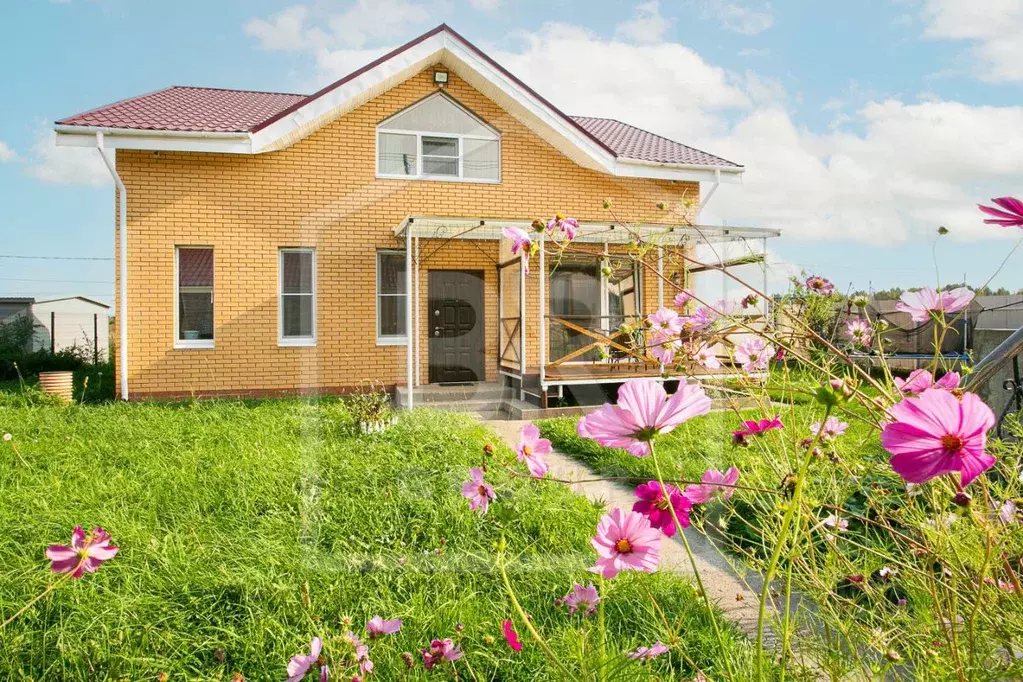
[952, 442]
[482, 490]
[526, 450]
[623, 546]
[662, 504]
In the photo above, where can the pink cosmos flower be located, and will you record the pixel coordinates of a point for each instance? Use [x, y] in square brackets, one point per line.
[666, 321]
[568, 226]
[644, 410]
[521, 241]
[829, 429]
[707, 357]
[858, 331]
[361, 653]
[819, 285]
[682, 298]
[753, 354]
[714, 483]
[378, 627]
[440, 650]
[702, 318]
[510, 635]
[723, 307]
[749, 300]
[85, 553]
[835, 522]
[1011, 216]
[478, 493]
[653, 504]
[752, 427]
[626, 541]
[299, 665]
[532, 448]
[919, 380]
[664, 347]
[937, 433]
[646, 653]
[922, 304]
[583, 599]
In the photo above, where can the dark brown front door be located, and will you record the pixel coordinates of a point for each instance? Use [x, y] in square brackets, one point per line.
[456, 326]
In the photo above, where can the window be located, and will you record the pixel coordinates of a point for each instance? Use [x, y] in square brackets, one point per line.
[193, 320]
[297, 316]
[392, 298]
[438, 139]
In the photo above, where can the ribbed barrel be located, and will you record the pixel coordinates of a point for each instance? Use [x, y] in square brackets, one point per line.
[57, 383]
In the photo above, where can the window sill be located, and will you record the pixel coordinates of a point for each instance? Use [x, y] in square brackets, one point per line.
[296, 343]
[193, 345]
[392, 341]
[437, 178]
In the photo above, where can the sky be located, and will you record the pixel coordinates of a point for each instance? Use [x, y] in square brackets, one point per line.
[864, 126]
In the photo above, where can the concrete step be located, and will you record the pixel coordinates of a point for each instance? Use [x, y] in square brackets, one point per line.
[435, 393]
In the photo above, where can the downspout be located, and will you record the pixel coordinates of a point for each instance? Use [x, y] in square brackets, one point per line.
[122, 323]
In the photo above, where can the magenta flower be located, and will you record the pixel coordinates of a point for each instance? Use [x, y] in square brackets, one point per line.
[706, 357]
[568, 226]
[440, 650]
[829, 429]
[653, 504]
[922, 304]
[521, 241]
[752, 427]
[819, 285]
[378, 627]
[85, 553]
[753, 354]
[665, 321]
[749, 300]
[532, 448]
[858, 331]
[583, 599]
[1011, 216]
[644, 653]
[682, 298]
[937, 433]
[714, 483]
[701, 319]
[644, 410]
[626, 541]
[919, 380]
[664, 347]
[510, 636]
[478, 493]
[299, 665]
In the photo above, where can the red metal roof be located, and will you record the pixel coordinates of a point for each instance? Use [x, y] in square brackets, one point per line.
[635, 143]
[188, 109]
[192, 109]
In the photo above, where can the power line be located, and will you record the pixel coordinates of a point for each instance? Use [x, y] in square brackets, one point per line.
[71, 281]
[3, 255]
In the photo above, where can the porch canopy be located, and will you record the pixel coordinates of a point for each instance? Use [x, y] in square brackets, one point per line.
[512, 329]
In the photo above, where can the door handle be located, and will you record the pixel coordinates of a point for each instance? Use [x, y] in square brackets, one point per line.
[436, 332]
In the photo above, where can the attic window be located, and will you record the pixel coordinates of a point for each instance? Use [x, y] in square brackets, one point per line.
[438, 139]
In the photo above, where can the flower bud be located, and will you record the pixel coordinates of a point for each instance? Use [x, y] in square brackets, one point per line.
[488, 448]
[661, 205]
[607, 203]
[962, 499]
[407, 658]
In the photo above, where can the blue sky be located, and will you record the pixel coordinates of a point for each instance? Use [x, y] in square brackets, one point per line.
[863, 125]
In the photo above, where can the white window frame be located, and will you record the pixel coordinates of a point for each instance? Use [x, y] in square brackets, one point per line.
[420, 134]
[389, 339]
[186, 344]
[294, 341]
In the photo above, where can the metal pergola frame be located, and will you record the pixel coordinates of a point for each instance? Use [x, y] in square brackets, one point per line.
[414, 228]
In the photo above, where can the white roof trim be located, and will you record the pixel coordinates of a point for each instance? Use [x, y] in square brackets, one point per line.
[444, 47]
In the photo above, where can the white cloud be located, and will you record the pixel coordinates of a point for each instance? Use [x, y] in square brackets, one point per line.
[739, 18]
[992, 27]
[361, 23]
[65, 165]
[646, 25]
[485, 5]
[832, 104]
[6, 153]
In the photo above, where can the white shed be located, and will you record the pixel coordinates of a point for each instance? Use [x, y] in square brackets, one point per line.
[73, 321]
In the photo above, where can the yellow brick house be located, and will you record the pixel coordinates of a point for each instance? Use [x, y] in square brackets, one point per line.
[273, 243]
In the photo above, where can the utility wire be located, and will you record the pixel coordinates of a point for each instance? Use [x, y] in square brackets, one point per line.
[4, 255]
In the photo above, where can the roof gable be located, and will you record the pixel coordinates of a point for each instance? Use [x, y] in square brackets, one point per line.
[206, 119]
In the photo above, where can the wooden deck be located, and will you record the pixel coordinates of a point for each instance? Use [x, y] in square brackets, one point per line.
[613, 372]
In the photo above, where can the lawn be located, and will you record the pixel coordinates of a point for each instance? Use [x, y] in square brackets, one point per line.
[246, 528]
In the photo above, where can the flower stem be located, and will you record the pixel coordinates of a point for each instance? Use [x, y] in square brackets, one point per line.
[772, 566]
[696, 572]
[50, 588]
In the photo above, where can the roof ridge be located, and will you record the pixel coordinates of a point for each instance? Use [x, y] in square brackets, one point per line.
[204, 87]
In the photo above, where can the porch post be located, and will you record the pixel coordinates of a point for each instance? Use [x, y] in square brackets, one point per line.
[522, 328]
[763, 267]
[409, 360]
[660, 277]
[416, 307]
[543, 314]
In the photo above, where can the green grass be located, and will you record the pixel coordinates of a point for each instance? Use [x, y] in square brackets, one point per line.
[249, 527]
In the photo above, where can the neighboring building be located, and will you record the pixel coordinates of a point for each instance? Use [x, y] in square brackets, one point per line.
[267, 233]
[62, 323]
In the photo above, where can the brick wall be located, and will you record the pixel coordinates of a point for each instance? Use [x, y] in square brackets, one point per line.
[322, 192]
